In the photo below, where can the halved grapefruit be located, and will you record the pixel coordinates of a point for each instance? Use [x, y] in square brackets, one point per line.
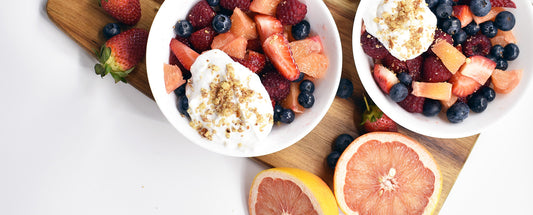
[290, 191]
[386, 173]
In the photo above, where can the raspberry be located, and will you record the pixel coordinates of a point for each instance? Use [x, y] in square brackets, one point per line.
[291, 12]
[414, 66]
[230, 5]
[201, 40]
[433, 70]
[255, 45]
[201, 15]
[372, 47]
[275, 84]
[477, 45]
[502, 3]
[440, 35]
[395, 64]
[412, 103]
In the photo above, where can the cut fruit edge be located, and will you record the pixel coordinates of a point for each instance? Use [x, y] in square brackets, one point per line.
[339, 178]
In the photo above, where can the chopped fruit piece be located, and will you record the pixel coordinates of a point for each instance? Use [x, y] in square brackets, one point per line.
[490, 16]
[478, 68]
[201, 40]
[503, 38]
[463, 13]
[394, 64]
[290, 12]
[201, 15]
[277, 49]
[242, 25]
[287, 31]
[505, 81]
[433, 70]
[372, 47]
[384, 77]
[413, 104]
[502, 3]
[314, 65]
[437, 91]
[173, 77]
[448, 103]
[254, 61]
[236, 48]
[267, 26]
[222, 40]
[449, 55]
[477, 45]
[267, 7]
[291, 101]
[185, 55]
[303, 48]
[463, 85]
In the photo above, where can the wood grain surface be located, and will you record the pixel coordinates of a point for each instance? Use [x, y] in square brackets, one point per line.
[83, 21]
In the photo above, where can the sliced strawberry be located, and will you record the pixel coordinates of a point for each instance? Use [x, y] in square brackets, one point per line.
[254, 61]
[236, 48]
[242, 25]
[173, 77]
[267, 7]
[437, 91]
[478, 68]
[185, 55]
[506, 81]
[463, 13]
[277, 49]
[463, 86]
[490, 16]
[384, 77]
[267, 25]
[502, 3]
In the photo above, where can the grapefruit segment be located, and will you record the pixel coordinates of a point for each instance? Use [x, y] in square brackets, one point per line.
[386, 173]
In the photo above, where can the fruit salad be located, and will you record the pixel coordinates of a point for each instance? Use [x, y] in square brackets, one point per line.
[240, 67]
[463, 68]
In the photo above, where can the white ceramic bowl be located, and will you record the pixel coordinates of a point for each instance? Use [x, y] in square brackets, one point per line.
[439, 126]
[158, 51]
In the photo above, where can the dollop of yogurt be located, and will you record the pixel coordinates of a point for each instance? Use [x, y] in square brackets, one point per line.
[227, 102]
[405, 27]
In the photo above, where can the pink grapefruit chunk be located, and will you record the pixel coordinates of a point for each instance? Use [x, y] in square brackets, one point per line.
[386, 173]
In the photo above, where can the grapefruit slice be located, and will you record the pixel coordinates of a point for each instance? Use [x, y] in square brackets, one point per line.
[290, 191]
[386, 173]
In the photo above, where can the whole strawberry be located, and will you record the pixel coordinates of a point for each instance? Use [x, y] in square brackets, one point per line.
[119, 55]
[375, 120]
[125, 11]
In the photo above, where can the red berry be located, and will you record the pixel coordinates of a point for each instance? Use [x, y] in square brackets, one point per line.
[375, 120]
[414, 66]
[201, 15]
[244, 5]
[201, 40]
[184, 41]
[412, 103]
[255, 45]
[433, 70]
[291, 12]
[502, 3]
[125, 11]
[372, 47]
[477, 45]
[253, 60]
[275, 84]
[395, 64]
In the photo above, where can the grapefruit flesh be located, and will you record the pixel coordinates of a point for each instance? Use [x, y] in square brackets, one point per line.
[386, 173]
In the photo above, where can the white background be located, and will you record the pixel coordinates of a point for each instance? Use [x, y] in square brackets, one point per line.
[73, 143]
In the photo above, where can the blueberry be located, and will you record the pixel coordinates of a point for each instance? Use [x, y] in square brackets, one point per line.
[480, 7]
[183, 28]
[286, 116]
[501, 64]
[496, 51]
[457, 112]
[111, 30]
[493, 58]
[332, 159]
[398, 92]
[341, 142]
[405, 78]
[487, 92]
[345, 89]
[221, 23]
[451, 25]
[301, 30]
[180, 91]
[505, 21]
[459, 37]
[183, 105]
[307, 86]
[300, 78]
[431, 107]
[277, 112]
[213, 3]
[471, 29]
[488, 29]
[306, 99]
[443, 11]
[432, 3]
[477, 103]
[511, 51]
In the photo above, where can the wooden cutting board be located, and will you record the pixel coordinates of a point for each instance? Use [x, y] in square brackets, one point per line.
[83, 20]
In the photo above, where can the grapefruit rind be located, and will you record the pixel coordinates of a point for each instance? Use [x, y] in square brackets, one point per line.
[314, 187]
[383, 137]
